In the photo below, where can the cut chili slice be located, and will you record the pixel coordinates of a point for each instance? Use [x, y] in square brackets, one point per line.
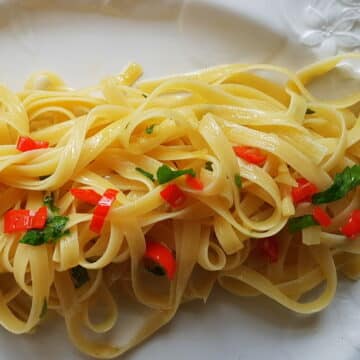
[97, 223]
[194, 183]
[269, 247]
[173, 195]
[352, 227]
[26, 143]
[87, 195]
[304, 191]
[102, 209]
[17, 220]
[250, 154]
[159, 259]
[38, 221]
[321, 216]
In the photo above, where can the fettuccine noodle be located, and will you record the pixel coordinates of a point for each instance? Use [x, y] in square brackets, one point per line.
[99, 136]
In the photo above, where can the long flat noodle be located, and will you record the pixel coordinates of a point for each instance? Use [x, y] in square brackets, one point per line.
[230, 226]
[259, 282]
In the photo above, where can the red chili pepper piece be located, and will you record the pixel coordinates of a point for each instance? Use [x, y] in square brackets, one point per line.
[97, 223]
[270, 248]
[38, 221]
[87, 195]
[25, 143]
[194, 182]
[102, 209]
[17, 220]
[23, 219]
[250, 154]
[321, 216]
[304, 191]
[161, 256]
[173, 195]
[352, 227]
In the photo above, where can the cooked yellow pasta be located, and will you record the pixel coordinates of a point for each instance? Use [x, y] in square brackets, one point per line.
[204, 165]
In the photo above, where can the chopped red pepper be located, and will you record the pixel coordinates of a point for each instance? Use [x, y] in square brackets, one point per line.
[321, 216]
[97, 223]
[269, 247]
[26, 143]
[250, 154]
[17, 220]
[352, 227]
[194, 182]
[38, 221]
[102, 209]
[159, 259]
[23, 219]
[304, 191]
[87, 195]
[173, 195]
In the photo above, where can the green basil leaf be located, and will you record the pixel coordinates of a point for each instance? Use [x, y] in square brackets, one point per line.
[79, 276]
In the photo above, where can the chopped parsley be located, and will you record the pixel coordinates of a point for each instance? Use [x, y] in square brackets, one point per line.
[145, 173]
[49, 202]
[149, 130]
[79, 276]
[144, 95]
[344, 182]
[301, 222]
[238, 181]
[165, 174]
[209, 166]
[53, 230]
[309, 111]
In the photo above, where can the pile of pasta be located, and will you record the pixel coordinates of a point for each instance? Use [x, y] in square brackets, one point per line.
[234, 146]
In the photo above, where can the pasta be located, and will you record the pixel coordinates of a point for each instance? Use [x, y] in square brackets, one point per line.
[216, 175]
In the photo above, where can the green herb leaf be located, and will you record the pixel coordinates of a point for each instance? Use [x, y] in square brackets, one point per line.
[209, 166]
[301, 222]
[44, 309]
[33, 237]
[79, 276]
[238, 180]
[149, 130]
[144, 95]
[309, 111]
[53, 230]
[49, 202]
[344, 182]
[145, 173]
[165, 174]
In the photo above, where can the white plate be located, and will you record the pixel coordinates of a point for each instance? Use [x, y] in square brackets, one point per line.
[87, 40]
